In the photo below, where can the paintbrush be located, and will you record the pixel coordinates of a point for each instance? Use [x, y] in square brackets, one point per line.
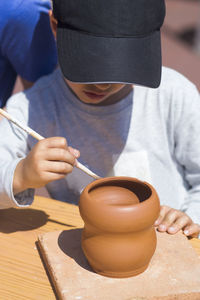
[38, 137]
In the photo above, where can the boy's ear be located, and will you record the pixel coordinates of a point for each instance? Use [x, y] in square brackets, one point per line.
[53, 23]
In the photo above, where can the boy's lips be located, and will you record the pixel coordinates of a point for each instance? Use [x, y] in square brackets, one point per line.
[93, 95]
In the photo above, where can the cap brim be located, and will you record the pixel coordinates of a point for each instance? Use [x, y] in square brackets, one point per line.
[85, 58]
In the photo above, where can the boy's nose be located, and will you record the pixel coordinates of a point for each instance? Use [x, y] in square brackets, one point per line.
[103, 86]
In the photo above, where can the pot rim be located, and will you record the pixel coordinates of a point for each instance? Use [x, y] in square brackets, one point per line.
[127, 214]
[100, 182]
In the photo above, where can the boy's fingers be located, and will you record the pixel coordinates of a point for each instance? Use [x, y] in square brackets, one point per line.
[192, 230]
[179, 224]
[54, 142]
[59, 154]
[172, 221]
[49, 177]
[60, 142]
[59, 167]
[163, 210]
[170, 217]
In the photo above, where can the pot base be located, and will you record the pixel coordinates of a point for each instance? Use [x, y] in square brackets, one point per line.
[123, 274]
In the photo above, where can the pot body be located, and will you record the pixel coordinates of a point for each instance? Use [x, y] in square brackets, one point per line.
[119, 238]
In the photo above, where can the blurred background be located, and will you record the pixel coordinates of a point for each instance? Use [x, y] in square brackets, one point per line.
[180, 39]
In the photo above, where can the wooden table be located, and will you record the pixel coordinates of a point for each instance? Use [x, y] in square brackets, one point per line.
[22, 274]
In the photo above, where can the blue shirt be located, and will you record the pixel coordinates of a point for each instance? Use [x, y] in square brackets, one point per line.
[27, 45]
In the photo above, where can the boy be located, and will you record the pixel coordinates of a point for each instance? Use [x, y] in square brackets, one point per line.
[27, 45]
[108, 103]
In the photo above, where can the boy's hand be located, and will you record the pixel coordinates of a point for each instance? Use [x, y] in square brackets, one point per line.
[172, 220]
[50, 159]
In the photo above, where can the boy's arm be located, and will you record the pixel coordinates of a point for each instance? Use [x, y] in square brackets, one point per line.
[24, 167]
[185, 126]
[13, 148]
[187, 146]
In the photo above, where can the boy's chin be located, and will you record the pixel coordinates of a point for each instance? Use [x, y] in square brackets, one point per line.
[94, 100]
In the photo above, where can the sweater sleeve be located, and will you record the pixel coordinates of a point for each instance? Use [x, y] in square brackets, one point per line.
[187, 145]
[13, 148]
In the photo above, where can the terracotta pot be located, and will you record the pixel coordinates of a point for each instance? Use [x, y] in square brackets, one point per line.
[119, 238]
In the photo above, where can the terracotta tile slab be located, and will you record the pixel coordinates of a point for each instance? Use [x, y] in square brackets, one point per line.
[173, 274]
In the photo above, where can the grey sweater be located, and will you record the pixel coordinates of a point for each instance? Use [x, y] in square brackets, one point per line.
[152, 134]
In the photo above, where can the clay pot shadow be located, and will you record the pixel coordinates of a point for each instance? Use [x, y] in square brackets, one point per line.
[69, 242]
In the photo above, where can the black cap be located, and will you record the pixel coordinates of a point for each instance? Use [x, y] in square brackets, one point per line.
[110, 40]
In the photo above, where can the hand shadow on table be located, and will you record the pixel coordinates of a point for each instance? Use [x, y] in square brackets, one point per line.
[13, 219]
[69, 241]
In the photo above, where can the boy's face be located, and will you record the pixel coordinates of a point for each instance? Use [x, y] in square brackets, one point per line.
[97, 94]
[102, 94]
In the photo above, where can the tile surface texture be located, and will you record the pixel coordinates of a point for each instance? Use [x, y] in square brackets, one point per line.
[173, 273]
